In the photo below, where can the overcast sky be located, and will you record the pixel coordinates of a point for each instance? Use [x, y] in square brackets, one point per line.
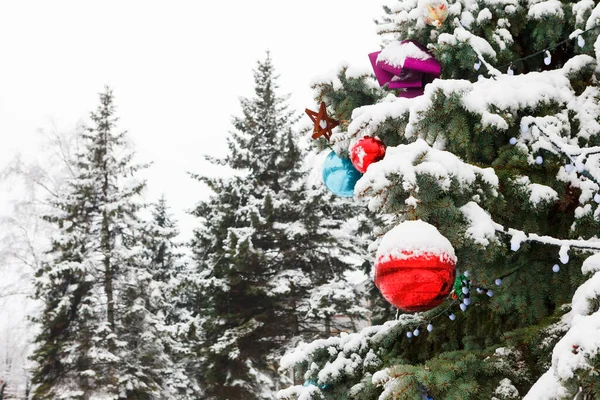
[177, 69]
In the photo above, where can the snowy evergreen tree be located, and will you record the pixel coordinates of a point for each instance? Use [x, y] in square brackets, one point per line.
[98, 335]
[271, 253]
[501, 156]
[161, 244]
[169, 274]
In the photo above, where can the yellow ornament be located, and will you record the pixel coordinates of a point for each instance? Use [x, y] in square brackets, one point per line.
[436, 12]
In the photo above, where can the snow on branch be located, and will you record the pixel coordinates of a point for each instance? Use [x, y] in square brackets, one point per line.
[492, 99]
[482, 225]
[349, 355]
[228, 341]
[405, 162]
[573, 356]
[479, 45]
[299, 392]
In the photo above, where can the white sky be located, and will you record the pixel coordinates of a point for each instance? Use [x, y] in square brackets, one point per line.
[177, 69]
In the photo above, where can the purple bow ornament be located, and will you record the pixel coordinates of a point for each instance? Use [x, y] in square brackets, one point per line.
[405, 65]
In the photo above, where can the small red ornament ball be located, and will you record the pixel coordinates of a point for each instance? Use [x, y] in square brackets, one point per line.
[415, 267]
[365, 152]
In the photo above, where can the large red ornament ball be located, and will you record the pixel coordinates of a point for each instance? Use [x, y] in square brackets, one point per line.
[365, 152]
[415, 266]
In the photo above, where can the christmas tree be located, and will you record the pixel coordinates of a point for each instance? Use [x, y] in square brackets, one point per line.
[271, 253]
[102, 334]
[489, 196]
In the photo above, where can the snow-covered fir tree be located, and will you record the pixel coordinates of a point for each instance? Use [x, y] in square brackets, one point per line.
[101, 335]
[501, 155]
[271, 254]
[162, 246]
[169, 274]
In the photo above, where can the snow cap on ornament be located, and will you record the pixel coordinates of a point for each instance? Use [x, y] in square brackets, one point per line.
[415, 266]
[405, 65]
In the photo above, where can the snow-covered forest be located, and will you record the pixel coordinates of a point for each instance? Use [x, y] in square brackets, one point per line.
[117, 306]
[425, 229]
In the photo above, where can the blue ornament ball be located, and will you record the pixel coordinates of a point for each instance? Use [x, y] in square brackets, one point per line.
[339, 175]
[309, 382]
[313, 382]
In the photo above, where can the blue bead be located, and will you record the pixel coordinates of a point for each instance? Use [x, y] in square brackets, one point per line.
[339, 175]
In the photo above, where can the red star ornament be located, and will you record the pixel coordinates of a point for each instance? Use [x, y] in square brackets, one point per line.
[323, 123]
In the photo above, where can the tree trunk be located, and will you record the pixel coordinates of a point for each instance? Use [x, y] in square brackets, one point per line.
[108, 281]
[27, 389]
[108, 288]
[295, 320]
[108, 276]
[106, 250]
[108, 268]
